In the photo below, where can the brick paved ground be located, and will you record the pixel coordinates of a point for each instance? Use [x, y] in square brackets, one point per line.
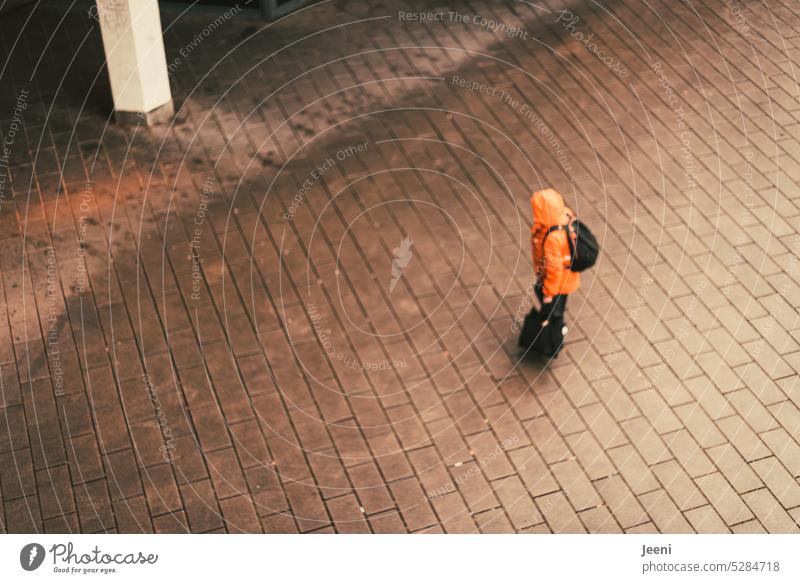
[200, 331]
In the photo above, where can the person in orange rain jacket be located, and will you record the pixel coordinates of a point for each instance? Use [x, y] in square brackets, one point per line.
[554, 279]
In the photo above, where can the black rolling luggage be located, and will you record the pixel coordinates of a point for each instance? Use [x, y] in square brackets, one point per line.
[546, 340]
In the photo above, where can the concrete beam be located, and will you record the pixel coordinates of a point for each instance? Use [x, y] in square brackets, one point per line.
[136, 62]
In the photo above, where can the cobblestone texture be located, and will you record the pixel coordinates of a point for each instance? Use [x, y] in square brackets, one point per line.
[293, 310]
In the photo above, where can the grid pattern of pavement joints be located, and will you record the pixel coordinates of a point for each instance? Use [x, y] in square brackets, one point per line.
[294, 309]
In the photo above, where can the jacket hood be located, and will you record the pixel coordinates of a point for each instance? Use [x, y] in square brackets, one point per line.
[548, 208]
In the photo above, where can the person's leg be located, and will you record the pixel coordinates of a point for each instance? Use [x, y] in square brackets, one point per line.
[557, 318]
[560, 306]
[554, 309]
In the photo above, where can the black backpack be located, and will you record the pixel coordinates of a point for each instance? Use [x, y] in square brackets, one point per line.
[583, 245]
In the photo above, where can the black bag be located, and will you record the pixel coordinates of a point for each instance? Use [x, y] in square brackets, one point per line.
[545, 340]
[583, 245]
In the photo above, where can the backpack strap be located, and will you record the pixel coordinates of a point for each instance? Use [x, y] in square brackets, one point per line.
[568, 229]
[550, 230]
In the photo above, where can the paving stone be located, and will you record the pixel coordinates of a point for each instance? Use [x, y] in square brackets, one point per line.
[226, 474]
[278, 524]
[494, 522]
[173, 523]
[666, 516]
[704, 519]
[735, 469]
[723, 498]
[560, 516]
[561, 412]
[296, 388]
[619, 404]
[413, 504]
[132, 516]
[700, 425]
[769, 512]
[668, 385]
[202, 511]
[576, 485]
[691, 457]
[306, 505]
[633, 469]
[767, 390]
[61, 524]
[785, 449]
[780, 482]
[590, 455]
[548, 441]
[240, 515]
[599, 520]
[752, 411]
[265, 490]
[743, 438]
[347, 515]
[650, 445]
[388, 523]
[621, 502]
[600, 422]
[370, 489]
[453, 514]
[710, 397]
[534, 471]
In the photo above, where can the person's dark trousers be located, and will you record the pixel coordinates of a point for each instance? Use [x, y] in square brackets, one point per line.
[555, 309]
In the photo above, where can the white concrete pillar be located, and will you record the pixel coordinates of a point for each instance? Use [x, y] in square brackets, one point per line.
[137, 65]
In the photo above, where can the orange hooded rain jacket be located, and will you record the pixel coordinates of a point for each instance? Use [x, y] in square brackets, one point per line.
[551, 263]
